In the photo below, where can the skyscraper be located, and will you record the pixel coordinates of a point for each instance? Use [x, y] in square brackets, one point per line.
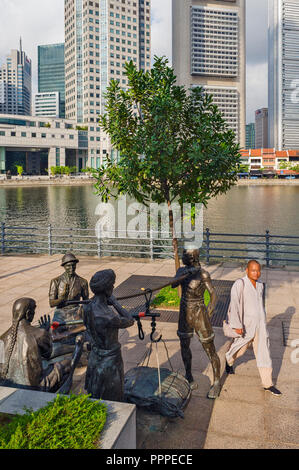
[99, 38]
[51, 73]
[283, 60]
[15, 84]
[261, 129]
[208, 50]
[250, 136]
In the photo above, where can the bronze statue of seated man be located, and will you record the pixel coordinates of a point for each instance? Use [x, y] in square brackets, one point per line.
[68, 287]
[25, 350]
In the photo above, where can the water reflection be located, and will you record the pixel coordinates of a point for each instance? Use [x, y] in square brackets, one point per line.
[244, 209]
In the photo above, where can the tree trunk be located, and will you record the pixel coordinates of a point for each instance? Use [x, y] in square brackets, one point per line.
[174, 243]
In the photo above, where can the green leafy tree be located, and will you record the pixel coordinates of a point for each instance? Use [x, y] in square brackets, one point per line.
[174, 143]
[284, 165]
[244, 168]
[20, 169]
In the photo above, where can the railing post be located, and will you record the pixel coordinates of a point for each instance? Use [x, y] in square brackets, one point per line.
[99, 242]
[71, 239]
[151, 245]
[50, 239]
[2, 238]
[208, 246]
[267, 248]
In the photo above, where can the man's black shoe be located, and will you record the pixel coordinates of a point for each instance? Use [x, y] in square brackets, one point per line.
[274, 391]
[229, 369]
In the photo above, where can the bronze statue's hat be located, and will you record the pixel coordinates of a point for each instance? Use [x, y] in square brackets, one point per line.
[69, 257]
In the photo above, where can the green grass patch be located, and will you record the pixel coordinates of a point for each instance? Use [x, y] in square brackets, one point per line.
[73, 422]
[169, 297]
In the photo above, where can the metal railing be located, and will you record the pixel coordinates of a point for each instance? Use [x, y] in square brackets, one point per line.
[267, 248]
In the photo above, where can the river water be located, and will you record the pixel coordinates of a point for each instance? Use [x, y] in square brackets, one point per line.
[244, 209]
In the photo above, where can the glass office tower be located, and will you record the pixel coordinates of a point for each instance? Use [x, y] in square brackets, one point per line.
[51, 72]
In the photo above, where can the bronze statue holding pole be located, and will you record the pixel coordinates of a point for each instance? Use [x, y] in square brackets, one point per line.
[195, 316]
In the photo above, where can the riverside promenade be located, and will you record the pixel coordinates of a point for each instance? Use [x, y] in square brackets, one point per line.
[244, 416]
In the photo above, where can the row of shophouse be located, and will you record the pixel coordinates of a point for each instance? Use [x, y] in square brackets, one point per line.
[270, 161]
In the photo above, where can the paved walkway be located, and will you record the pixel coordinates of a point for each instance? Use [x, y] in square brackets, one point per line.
[243, 416]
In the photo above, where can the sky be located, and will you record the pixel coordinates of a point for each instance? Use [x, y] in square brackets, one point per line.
[42, 22]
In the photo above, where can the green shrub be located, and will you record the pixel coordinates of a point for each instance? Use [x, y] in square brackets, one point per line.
[169, 297]
[73, 422]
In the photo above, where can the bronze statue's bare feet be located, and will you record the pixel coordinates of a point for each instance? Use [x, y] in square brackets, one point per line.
[193, 385]
[215, 390]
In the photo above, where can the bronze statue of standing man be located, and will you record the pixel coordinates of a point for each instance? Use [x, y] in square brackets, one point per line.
[195, 316]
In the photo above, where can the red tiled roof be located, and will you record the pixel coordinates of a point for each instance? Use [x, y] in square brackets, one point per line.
[256, 152]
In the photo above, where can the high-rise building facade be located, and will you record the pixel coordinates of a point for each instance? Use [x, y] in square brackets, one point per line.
[51, 72]
[15, 84]
[47, 104]
[283, 60]
[250, 136]
[100, 37]
[208, 50]
[261, 129]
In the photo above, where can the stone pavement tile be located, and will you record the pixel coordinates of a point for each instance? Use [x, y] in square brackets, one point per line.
[282, 425]
[176, 439]
[218, 440]
[197, 415]
[242, 389]
[277, 445]
[290, 395]
[238, 419]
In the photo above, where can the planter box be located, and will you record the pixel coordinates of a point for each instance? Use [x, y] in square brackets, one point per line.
[120, 428]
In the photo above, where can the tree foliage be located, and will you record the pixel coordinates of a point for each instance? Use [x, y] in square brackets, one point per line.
[174, 144]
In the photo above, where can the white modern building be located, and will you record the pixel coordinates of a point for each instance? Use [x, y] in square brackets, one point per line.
[46, 104]
[15, 84]
[100, 37]
[41, 143]
[283, 60]
[208, 50]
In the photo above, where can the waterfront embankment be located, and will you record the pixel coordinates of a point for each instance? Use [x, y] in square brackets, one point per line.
[45, 181]
[71, 181]
[268, 182]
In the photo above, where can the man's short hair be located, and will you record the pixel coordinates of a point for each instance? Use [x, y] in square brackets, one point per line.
[251, 262]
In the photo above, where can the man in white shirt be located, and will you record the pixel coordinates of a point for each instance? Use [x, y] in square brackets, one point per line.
[251, 326]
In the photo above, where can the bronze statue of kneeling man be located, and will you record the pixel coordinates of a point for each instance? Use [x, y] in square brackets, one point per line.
[105, 370]
[25, 348]
[195, 316]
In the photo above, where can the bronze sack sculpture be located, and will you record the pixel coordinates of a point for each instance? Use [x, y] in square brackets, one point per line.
[26, 349]
[195, 316]
[105, 370]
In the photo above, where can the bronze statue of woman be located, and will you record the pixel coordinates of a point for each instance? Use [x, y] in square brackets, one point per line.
[105, 370]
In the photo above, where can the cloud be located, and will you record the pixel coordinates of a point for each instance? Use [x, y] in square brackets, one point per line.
[257, 89]
[36, 21]
[256, 31]
[42, 22]
[161, 28]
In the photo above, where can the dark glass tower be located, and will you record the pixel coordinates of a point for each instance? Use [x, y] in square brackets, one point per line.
[51, 72]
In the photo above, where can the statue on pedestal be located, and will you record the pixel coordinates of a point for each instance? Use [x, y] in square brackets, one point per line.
[25, 350]
[195, 316]
[105, 370]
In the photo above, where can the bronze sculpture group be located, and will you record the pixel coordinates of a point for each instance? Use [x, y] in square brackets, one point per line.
[28, 350]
